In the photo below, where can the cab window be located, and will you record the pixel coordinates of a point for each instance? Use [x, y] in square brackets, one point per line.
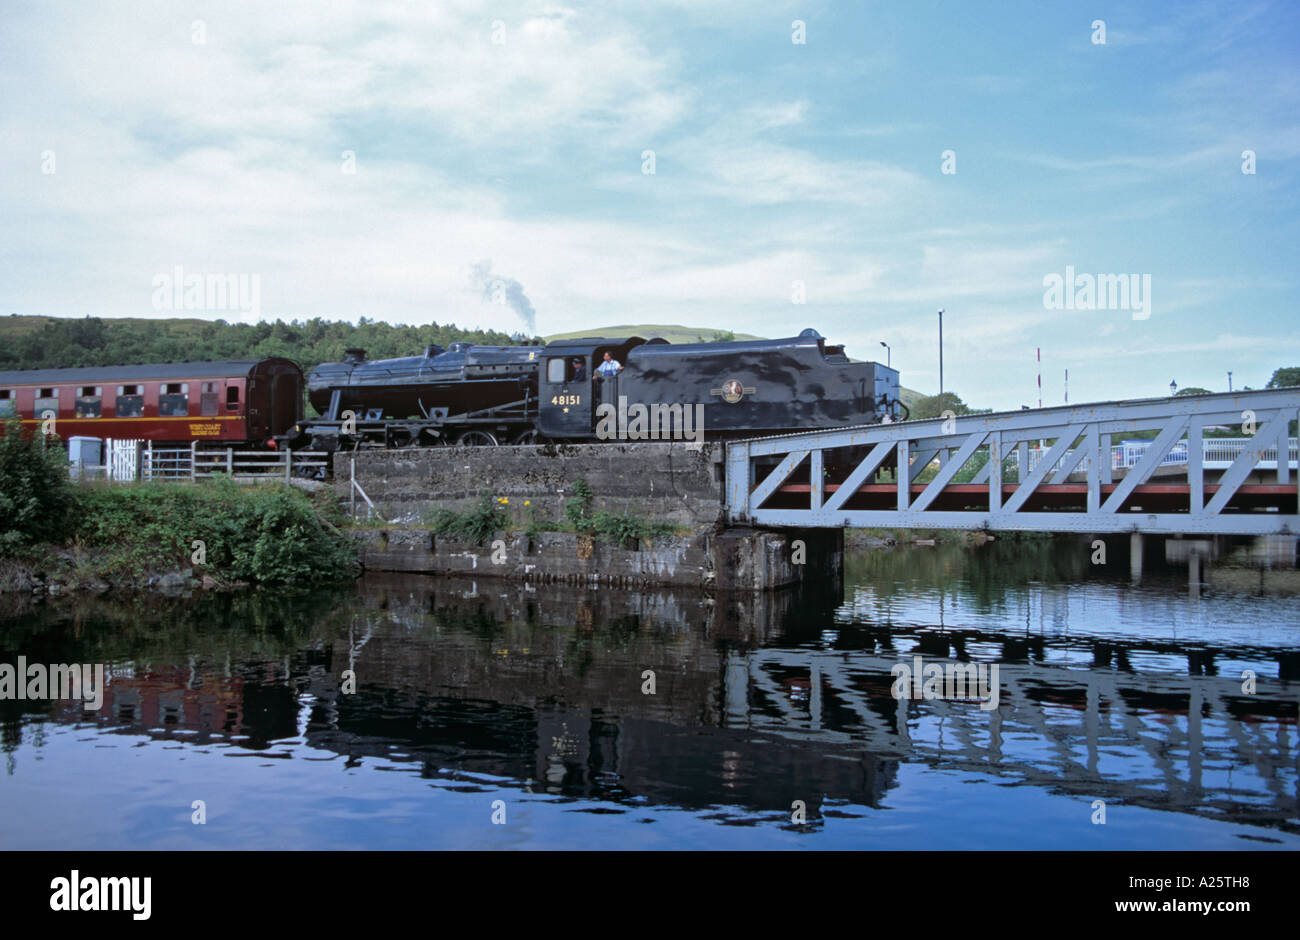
[555, 373]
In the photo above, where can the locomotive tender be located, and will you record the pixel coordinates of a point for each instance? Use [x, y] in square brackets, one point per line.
[469, 394]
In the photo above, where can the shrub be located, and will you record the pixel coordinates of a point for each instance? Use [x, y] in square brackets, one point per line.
[272, 534]
[477, 524]
[35, 492]
[576, 509]
[616, 527]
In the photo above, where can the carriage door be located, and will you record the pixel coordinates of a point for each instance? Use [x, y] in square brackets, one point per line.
[565, 405]
[254, 399]
[285, 402]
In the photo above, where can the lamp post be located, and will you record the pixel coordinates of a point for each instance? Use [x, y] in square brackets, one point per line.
[889, 354]
[941, 358]
[1229, 380]
[1173, 387]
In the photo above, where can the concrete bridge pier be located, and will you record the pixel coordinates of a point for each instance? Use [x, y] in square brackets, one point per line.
[1136, 547]
[763, 559]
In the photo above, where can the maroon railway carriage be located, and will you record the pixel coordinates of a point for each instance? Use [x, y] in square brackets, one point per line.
[244, 401]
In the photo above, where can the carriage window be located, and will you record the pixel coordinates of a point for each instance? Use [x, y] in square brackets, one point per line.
[7, 402]
[232, 398]
[174, 399]
[208, 400]
[90, 401]
[47, 399]
[555, 371]
[130, 401]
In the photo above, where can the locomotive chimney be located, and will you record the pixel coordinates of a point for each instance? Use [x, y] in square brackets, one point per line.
[354, 355]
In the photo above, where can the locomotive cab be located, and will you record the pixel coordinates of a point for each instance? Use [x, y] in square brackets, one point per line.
[569, 390]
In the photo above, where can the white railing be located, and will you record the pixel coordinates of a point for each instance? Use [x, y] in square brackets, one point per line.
[127, 461]
[1217, 453]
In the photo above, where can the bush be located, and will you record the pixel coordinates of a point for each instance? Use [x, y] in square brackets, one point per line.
[576, 509]
[273, 534]
[477, 524]
[616, 527]
[35, 492]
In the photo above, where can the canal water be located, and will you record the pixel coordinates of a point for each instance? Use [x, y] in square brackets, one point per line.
[489, 714]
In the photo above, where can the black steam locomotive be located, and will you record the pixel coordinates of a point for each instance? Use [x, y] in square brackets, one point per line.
[566, 391]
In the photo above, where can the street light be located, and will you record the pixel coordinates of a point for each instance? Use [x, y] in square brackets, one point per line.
[941, 357]
[1173, 387]
[889, 353]
[1229, 380]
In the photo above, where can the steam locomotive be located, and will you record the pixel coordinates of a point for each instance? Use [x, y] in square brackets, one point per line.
[565, 391]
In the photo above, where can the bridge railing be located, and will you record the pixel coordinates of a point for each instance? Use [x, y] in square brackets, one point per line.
[966, 472]
[1218, 453]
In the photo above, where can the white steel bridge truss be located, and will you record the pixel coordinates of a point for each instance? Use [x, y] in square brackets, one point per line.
[844, 468]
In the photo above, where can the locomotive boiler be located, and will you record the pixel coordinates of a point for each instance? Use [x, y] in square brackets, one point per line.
[471, 394]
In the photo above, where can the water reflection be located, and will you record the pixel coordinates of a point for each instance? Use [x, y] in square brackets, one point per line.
[1131, 695]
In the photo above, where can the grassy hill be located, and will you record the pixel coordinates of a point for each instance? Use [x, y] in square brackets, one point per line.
[672, 333]
[909, 396]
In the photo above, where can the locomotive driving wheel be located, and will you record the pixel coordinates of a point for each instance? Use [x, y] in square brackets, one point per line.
[477, 439]
[529, 437]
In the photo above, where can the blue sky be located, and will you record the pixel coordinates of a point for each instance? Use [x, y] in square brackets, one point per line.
[775, 163]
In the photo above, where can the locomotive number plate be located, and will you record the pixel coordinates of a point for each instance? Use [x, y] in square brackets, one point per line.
[566, 399]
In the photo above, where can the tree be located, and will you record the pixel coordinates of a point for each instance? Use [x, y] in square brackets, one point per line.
[931, 406]
[68, 343]
[1285, 378]
[1192, 390]
[34, 490]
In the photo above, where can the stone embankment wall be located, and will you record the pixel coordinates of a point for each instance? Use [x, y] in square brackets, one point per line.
[661, 482]
[671, 482]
